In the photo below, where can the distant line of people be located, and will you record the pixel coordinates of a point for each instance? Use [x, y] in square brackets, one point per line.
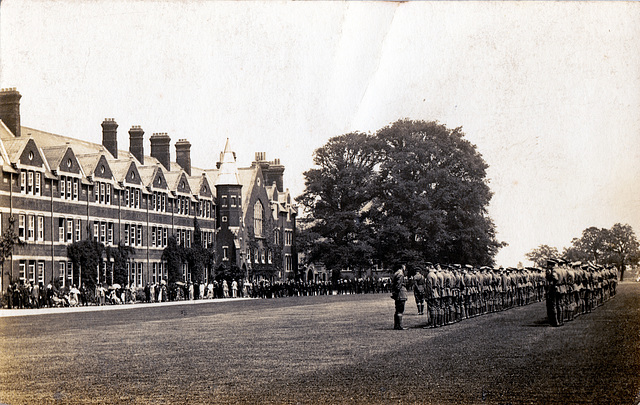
[577, 288]
[454, 292]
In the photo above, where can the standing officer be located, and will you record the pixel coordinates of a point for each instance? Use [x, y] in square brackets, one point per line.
[399, 295]
[419, 289]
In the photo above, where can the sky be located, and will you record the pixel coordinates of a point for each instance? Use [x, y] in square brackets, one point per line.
[549, 92]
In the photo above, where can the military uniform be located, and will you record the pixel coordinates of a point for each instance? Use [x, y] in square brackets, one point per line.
[419, 291]
[399, 295]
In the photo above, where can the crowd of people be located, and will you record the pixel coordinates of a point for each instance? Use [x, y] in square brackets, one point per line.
[577, 288]
[32, 295]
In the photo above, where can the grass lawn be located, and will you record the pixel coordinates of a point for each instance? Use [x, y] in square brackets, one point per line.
[337, 349]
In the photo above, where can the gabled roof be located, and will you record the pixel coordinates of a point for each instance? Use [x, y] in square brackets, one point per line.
[178, 182]
[123, 169]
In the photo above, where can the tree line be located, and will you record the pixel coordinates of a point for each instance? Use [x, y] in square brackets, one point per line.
[413, 191]
[617, 245]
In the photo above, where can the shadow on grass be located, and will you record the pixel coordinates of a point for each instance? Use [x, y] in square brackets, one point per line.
[544, 323]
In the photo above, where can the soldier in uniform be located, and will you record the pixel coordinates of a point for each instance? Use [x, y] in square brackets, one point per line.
[399, 295]
[432, 295]
[419, 290]
[552, 295]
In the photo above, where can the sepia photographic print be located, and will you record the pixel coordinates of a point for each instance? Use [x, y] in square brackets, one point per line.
[343, 202]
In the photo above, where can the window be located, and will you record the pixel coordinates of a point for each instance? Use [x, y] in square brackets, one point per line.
[257, 219]
[224, 201]
[178, 237]
[164, 236]
[69, 230]
[30, 183]
[102, 192]
[153, 235]
[61, 271]
[61, 230]
[70, 272]
[107, 196]
[32, 271]
[22, 267]
[96, 191]
[139, 281]
[269, 258]
[126, 234]
[137, 198]
[62, 187]
[41, 272]
[132, 235]
[40, 228]
[126, 197]
[68, 188]
[224, 219]
[75, 189]
[38, 178]
[77, 230]
[288, 264]
[110, 234]
[188, 239]
[103, 232]
[23, 182]
[233, 201]
[288, 237]
[21, 226]
[31, 228]
[225, 253]
[276, 236]
[139, 235]
[95, 231]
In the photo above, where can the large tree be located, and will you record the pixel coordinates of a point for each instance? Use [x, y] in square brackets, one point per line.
[86, 256]
[432, 196]
[336, 199]
[541, 254]
[412, 192]
[591, 246]
[199, 257]
[622, 246]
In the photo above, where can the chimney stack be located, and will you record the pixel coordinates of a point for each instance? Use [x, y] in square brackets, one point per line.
[10, 109]
[136, 143]
[183, 155]
[160, 148]
[110, 136]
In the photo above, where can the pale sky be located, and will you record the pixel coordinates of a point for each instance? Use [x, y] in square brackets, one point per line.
[548, 92]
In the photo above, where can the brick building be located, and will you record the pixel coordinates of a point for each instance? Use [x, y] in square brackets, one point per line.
[58, 190]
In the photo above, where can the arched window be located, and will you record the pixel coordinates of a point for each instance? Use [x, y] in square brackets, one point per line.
[258, 212]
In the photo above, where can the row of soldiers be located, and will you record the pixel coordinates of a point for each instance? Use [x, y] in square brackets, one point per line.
[577, 288]
[455, 292]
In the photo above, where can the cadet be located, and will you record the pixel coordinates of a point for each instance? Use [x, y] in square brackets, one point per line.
[399, 295]
[419, 290]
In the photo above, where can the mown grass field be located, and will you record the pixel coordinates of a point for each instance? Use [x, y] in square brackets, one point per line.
[337, 349]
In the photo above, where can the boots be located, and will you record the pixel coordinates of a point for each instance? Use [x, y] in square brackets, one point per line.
[398, 322]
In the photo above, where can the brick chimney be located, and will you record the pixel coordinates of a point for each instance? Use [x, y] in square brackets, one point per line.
[136, 143]
[160, 148]
[110, 136]
[183, 155]
[10, 109]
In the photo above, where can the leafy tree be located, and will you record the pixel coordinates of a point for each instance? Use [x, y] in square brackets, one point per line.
[623, 246]
[433, 197]
[541, 254]
[337, 199]
[197, 256]
[173, 255]
[592, 245]
[120, 256]
[8, 241]
[86, 255]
